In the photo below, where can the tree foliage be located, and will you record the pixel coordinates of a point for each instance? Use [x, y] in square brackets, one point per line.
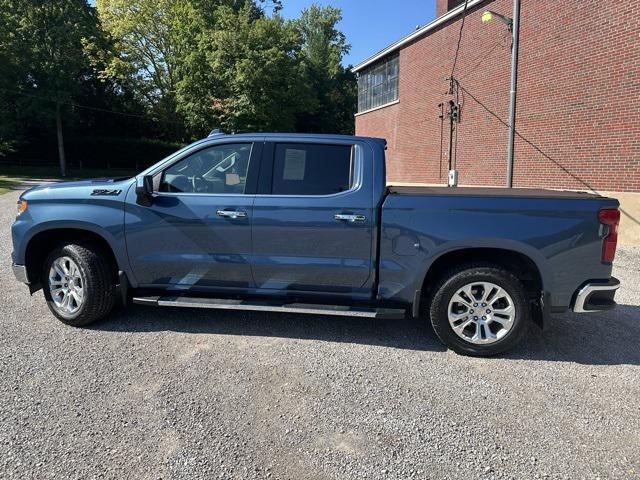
[171, 69]
[225, 63]
[146, 50]
[245, 74]
[334, 87]
[43, 59]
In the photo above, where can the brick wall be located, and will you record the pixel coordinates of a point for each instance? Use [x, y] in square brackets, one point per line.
[578, 99]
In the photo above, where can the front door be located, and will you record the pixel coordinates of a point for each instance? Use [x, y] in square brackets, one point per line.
[197, 233]
[312, 219]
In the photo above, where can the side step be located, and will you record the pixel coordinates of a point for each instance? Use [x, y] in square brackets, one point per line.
[267, 306]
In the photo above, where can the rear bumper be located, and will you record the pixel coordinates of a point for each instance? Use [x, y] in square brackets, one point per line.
[20, 272]
[596, 296]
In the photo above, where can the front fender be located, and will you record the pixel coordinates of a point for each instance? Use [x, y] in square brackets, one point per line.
[101, 216]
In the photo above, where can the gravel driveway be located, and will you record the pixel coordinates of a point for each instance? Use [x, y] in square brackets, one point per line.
[153, 393]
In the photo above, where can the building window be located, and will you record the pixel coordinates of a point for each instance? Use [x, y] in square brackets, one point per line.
[378, 84]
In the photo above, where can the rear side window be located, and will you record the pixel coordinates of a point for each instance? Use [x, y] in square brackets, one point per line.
[308, 169]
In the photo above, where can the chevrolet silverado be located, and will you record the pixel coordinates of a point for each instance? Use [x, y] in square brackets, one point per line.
[307, 224]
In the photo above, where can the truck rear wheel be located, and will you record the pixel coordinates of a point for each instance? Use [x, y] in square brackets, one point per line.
[78, 283]
[479, 310]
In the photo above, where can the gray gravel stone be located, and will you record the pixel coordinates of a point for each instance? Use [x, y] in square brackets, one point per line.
[153, 393]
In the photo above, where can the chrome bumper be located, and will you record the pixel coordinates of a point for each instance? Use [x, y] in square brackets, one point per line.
[20, 272]
[596, 296]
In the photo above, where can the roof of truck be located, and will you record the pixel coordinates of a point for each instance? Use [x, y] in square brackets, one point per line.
[316, 136]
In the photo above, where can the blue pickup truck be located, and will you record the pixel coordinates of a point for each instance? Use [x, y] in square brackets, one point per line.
[307, 224]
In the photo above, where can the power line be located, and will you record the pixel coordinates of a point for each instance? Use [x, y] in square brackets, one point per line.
[87, 107]
[526, 140]
[540, 151]
[455, 59]
[483, 57]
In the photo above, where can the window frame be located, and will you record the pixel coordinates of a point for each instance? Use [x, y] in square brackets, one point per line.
[252, 169]
[388, 84]
[267, 168]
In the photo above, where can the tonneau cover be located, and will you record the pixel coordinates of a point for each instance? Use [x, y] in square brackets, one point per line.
[489, 192]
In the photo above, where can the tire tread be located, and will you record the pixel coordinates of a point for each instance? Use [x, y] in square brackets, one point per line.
[100, 289]
[470, 271]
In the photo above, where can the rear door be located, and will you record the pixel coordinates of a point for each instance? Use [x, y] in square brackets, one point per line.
[312, 218]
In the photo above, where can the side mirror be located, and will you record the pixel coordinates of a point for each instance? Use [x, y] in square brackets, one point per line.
[144, 190]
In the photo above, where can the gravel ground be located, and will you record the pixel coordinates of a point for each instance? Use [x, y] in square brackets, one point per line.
[153, 393]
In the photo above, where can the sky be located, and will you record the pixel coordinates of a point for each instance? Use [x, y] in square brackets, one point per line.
[371, 25]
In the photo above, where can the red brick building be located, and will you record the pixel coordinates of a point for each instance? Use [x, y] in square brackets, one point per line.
[578, 96]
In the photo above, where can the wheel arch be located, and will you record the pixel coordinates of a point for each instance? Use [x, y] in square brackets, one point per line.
[42, 242]
[530, 272]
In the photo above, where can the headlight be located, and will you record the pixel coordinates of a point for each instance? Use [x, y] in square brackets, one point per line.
[22, 206]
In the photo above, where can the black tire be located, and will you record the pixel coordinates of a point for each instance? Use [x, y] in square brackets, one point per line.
[451, 282]
[98, 282]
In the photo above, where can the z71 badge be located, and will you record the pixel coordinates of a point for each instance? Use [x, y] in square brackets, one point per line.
[103, 191]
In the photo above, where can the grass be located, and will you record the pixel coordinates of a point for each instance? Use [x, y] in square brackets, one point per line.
[11, 176]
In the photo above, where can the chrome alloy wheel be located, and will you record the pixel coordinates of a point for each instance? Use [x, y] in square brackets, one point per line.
[481, 313]
[66, 285]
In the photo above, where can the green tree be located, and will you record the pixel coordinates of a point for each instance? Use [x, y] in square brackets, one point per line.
[184, 66]
[146, 52]
[43, 47]
[9, 77]
[245, 73]
[161, 57]
[334, 86]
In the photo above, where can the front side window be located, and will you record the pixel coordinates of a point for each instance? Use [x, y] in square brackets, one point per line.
[378, 84]
[310, 169]
[221, 169]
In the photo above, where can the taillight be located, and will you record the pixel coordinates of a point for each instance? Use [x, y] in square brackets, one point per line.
[611, 218]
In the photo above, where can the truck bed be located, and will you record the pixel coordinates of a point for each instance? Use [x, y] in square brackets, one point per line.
[558, 230]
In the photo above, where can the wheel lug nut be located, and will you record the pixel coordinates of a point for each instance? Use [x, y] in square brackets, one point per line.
[488, 311]
[470, 311]
[484, 304]
[484, 318]
[475, 318]
[475, 304]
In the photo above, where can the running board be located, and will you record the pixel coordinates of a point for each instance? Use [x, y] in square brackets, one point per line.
[266, 306]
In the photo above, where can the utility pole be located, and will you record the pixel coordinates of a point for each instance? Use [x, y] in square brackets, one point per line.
[512, 92]
[453, 112]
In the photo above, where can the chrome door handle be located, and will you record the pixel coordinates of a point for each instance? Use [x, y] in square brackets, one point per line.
[231, 214]
[348, 217]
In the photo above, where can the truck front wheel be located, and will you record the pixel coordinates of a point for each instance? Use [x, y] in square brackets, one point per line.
[479, 310]
[78, 283]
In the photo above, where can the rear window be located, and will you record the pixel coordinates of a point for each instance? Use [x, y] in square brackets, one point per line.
[311, 169]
